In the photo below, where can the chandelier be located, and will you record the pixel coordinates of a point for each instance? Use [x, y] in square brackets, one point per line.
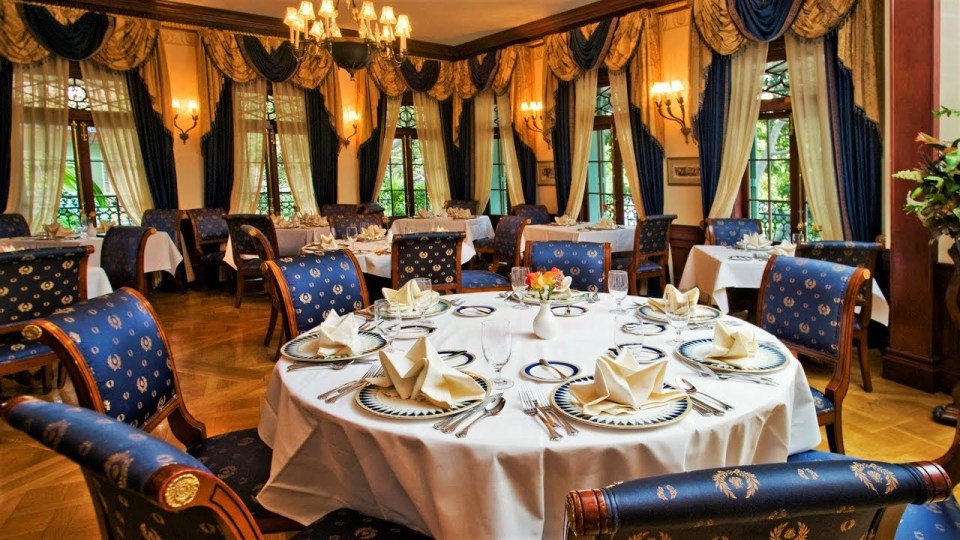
[309, 28]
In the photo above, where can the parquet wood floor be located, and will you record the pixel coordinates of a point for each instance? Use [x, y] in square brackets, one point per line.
[223, 370]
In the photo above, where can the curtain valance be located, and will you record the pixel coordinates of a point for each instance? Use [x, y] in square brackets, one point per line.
[276, 65]
[77, 40]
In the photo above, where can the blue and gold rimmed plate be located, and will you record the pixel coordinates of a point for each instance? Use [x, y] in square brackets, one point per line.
[457, 359]
[474, 311]
[568, 310]
[541, 373]
[415, 331]
[644, 328]
[643, 354]
[646, 418]
[386, 402]
[702, 315]
[304, 348]
[563, 299]
[441, 307]
[768, 358]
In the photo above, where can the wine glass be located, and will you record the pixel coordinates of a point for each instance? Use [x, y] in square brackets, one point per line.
[618, 284]
[351, 235]
[629, 334]
[391, 323]
[497, 341]
[425, 301]
[518, 280]
[678, 315]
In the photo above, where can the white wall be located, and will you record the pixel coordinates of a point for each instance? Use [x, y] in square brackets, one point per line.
[949, 83]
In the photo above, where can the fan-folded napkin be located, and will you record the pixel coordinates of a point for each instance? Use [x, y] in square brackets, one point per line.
[280, 223]
[421, 373]
[371, 233]
[328, 242]
[622, 386]
[405, 298]
[314, 220]
[56, 230]
[785, 248]
[459, 212]
[104, 226]
[732, 344]
[755, 241]
[565, 220]
[674, 301]
[606, 223]
[338, 335]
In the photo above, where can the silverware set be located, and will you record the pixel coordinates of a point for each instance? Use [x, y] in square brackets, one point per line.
[534, 404]
[336, 366]
[705, 371]
[488, 407]
[332, 395]
[703, 403]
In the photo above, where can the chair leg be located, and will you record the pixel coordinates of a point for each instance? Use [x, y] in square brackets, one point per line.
[61, 375]
[835, 436]
[46, 378]
[633, 285]
[270, 326]
[239, 297]
[864, 353]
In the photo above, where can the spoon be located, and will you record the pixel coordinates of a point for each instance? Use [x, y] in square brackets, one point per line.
[689, 388]
[548, 365]
[492, 409]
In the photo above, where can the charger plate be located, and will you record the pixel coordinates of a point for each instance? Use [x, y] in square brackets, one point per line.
[702, 315]
[768, 358]
[385, 402]
[651, 417]
[303, 348]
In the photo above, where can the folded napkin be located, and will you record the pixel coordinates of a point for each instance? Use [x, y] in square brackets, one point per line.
[755, 241]
[371, 233]
[279, 222]
[56, 230]
[785, 248]
[439, 229]
[424, 213]
[461, 213]
[328, 242]
[104, 226]
[315, 220]
[563, 291]
[622, 386]
[405, 298]
[732, 344]
[338, 335]
[421, 374]
[606, 223]
[672, 298]
[565, 220]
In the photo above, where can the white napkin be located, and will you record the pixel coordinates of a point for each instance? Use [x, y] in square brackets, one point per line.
[461, 213]
[672, 297]
[371, 233]
[338, 335]
[279, 222]
[733, 344]
[103, 227]
[755, 241]
[314, 220]
[56, 230]
[424, 213]
[328, 242]
[421, 374]
[606, 223]
[622, 386]
[785, 248]
[405, 298]
[563, 291]
[565, 220]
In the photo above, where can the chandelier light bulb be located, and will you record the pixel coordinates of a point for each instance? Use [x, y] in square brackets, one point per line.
[367, 11]
[327, 9]
[403, 28]
[387, 16]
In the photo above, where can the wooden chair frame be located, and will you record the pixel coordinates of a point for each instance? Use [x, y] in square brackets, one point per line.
[181, 271]
[711, 237]
[141, 283]
[200, 245]
[607, 262]
[238, 260]
[517, 254]
[270, 255]
[659, 257]
[441, 288]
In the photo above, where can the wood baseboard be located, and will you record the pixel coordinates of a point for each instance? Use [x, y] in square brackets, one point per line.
[912, 370]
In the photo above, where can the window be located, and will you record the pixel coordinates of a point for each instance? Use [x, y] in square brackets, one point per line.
[608, 193]
[499, 196]
[404, 189]
[275, 194]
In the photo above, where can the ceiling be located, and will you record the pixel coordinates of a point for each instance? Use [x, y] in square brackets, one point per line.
[447, 22]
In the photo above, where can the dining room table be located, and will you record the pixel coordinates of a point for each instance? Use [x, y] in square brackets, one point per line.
[160, 253]
[98, 284]
[289, 241]
[620, 238]
[474, 228]
[375, 257]
[507, 478]
[714, 269]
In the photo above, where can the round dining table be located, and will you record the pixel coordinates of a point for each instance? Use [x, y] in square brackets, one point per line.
[507, 479]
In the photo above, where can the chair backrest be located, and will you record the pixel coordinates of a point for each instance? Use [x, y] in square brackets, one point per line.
[371, 208]
[310, 285]
[330, 210]
[164, 220]
[209, 227]
[652, 236]
[729, 231]
[241, 242]
[262, 244]
[463, 204]
[860, 254]
[141, 487]
[863, 499]
[13, 225]
[507, 237]
[434, 255]
[339, 224]
[35, 283]
[122, 256]
[586, 262]
[536, 213]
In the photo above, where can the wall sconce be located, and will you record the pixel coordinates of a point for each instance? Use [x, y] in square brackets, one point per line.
[532, 112]
[352, 118]
[666, 91]
[193, 110]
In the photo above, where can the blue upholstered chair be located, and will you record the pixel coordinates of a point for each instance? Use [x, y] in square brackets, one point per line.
[122, 256]
[33, 284]
[168, 221]
[121, 365]
[434, 255]
[463, 204]
[371, 208]
[13, 225]
[142, 487]
[505, 248]
[829, 499]
[265, 252]
[340, 224]
[863, 255]
[536, 213]
[310, 285]
[729, 231]
[809, 306]
[586, 262]
[651, 247]
[246, 249]
[332, 210]
[209, 236]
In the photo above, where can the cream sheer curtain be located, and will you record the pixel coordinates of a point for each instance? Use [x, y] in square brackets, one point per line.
[811, 117]
[743, 110]
[290, 105]
[430, 134]
[112, 113]
[386, 143]
[585, 106]
[249, 134]
[508, 148]
[38, 151]
[483, 148]
[620, 99]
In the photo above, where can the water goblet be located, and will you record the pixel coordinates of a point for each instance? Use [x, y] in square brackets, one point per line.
[351, 235]
[678, 315]
[391, 323]
[425, 300]
[497, 342]
[618, 283]
[518, 280]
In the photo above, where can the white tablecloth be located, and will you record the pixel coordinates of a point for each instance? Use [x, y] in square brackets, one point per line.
[288, 240]
[375, 258]
[160, 253]
[98, 284]
[710, 269]
[620, 239]
[474, 228]
[506, 479]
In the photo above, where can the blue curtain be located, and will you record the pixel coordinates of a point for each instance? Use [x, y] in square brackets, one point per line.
[481, 73]
[156, 144]
[423, 80]
[276, 66]
[6, 110]
[527, 162]
[217, 150]
[709, 126]
[324, 149]
[459, 182]
[369, 154]
[77, 41]
[857, 151]
[587, 52]
[562, 155]
[764, 20]
[649, 156]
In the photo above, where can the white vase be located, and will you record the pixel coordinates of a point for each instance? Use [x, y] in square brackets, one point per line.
[545, 323]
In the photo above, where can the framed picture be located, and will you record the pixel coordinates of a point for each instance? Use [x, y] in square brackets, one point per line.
[546, 176]
[683, 171]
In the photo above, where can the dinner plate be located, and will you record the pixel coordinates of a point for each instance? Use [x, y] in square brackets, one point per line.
[457, 359]
[386, 402]
[540, 373]
[768, 358]
[568, 310]
[303, 348]
[441, 307]
[649, 328]
[702, 315]
[766, 248]
[600, 228]
[474, 311]
[573, 298]
[643, 354]
[651, 417]
[415, 331]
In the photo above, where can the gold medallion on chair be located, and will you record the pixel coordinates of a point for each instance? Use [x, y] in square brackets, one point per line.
[872, 474]
[728, 481]
[791, 531]
[181, 490]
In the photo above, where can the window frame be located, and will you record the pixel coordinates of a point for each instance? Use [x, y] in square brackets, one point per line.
[406, 135]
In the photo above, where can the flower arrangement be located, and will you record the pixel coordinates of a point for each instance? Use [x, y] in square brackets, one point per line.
[936, 199]
[544, 283]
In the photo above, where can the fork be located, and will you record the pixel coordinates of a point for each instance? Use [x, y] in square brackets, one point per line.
[336, 366]
[530, 409]
[370, 373]
[547, 408]
[359, 383]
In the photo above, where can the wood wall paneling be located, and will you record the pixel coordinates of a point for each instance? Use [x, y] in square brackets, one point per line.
[682, 240]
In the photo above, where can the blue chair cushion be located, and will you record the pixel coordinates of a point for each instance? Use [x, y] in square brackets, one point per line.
[251, 266]
[241, 460]
[212, 258]
[13, 349]
[646, 266]
[930, 521]
[346, 524]
[483, 243]
[823, 404]
[482, 279]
